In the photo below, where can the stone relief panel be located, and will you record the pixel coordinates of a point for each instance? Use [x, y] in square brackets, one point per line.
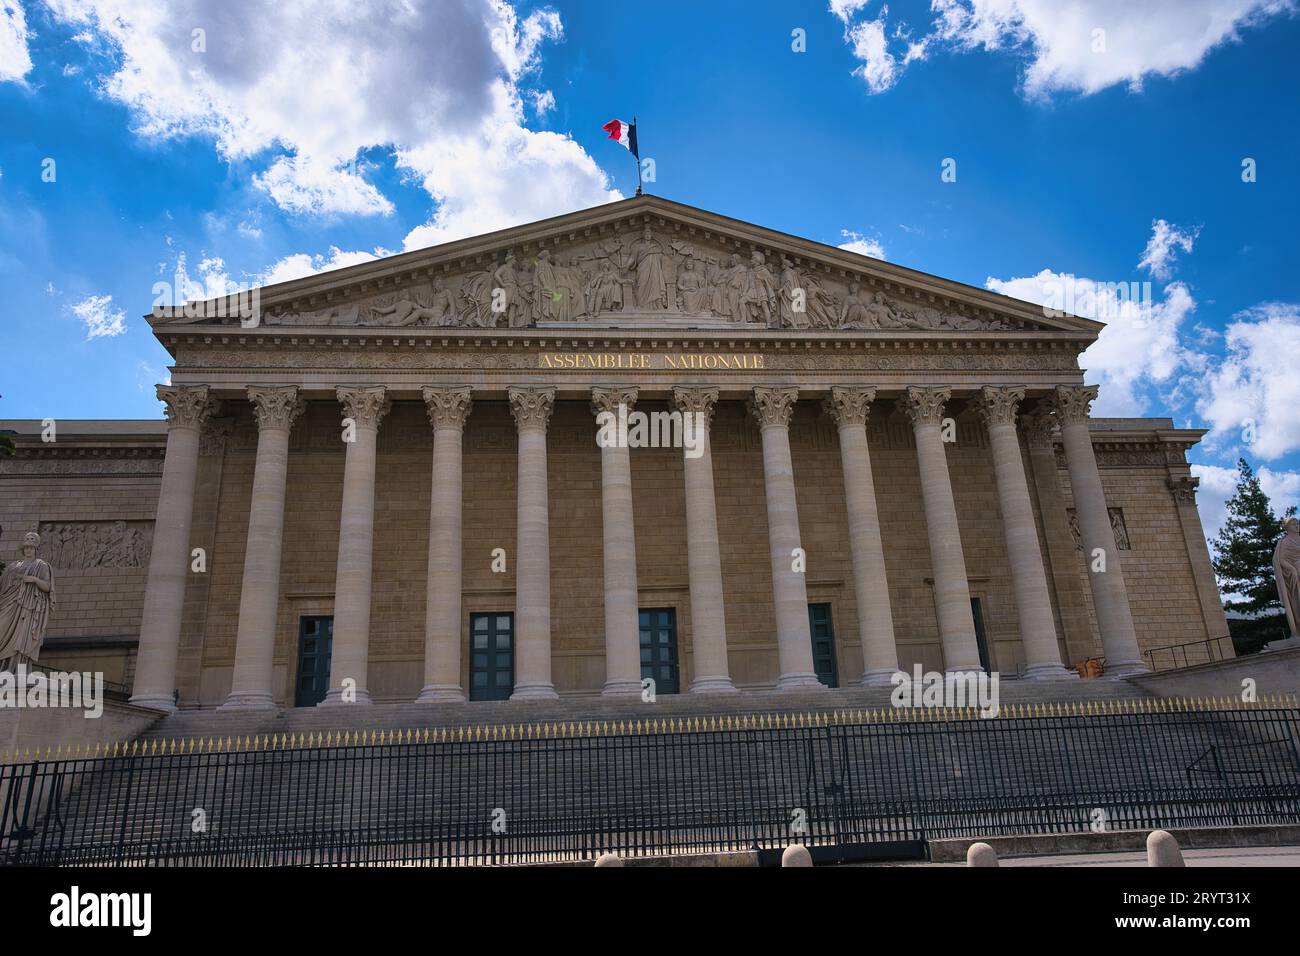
[641, 274]
[1117, 527]
[78, 545]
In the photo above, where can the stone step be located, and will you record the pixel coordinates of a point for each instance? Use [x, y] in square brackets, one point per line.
[205, 723]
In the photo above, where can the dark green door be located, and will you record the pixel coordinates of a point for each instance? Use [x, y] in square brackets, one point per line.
[977, 614]
[823, 644]
[315, 643]
[659, 648]
[491, 655]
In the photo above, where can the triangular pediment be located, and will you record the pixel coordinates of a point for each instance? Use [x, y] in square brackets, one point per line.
[641, 263]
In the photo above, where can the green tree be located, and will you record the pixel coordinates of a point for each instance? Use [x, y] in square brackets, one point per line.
[1243, 563]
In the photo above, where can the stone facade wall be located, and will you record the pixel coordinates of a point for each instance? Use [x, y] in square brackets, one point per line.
[103, 602]
[100, 575]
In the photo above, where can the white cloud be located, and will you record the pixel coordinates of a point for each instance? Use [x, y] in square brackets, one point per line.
[99, 316]
[879, 67]
[312, 85]
[1250, 398]
[15, 61]
[302, 264]
[1140, 346]
[862, 245]
[1162, 247]
[543, 102]
[1078, 46]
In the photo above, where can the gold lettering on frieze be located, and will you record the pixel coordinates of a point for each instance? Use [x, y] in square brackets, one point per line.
[693, 361]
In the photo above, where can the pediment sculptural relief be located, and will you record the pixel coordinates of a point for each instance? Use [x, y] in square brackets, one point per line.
[636, 277]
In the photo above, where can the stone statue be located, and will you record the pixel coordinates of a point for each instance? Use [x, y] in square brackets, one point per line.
[693, 290]
[26, 599]
[476, 291]
[604, 293]
[506, 278]
[1119, 529]
[760, 292]
[1286, 566]
[729, 284]
[647, 258]
[408, 311]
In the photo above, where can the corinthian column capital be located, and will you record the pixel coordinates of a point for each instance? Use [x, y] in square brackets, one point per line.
[697, 399]
[608, 399]
[276, 406]
[1071, 403]
[187, 406]
[773, 406]
[531, 407]
[998, 404]
[924, 404]
[366, 405]
[448, 406]
[850, 406]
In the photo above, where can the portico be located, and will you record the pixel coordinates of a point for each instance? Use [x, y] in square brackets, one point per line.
[865, 496]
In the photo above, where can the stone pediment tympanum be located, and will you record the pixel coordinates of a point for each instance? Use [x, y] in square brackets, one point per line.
[642, 262]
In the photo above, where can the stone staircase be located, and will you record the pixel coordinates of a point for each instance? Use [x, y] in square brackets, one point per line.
[400, 716]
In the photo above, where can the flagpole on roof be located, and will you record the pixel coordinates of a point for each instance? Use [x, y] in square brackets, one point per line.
[636, 158]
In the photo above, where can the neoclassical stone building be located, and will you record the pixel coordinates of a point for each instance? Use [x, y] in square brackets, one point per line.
[386, 484]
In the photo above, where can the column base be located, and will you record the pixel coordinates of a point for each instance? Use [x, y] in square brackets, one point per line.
[249, 702]
[441, 694]
[880, 677]
[538, 691]
[1122, 669]
[165, 704]
[712, 685]
[1039, 672]
[621, 688]
[334, 698]
[791, 681]
[964, 669]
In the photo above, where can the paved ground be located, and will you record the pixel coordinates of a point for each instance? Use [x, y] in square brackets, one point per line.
[1229, 856]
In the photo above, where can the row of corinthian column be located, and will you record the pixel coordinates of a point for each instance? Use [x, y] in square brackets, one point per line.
[277, 407]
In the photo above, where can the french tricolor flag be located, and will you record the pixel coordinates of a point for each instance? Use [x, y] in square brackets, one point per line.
[624, 133]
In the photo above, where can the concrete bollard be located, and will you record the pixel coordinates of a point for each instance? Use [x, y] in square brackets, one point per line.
[796, 854]
[1163, 850]
[609, 859]
[981, 854]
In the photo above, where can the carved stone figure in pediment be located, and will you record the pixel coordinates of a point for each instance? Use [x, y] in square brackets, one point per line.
[693, 292]
[476, 292]
[729, 281]
[803, 302]
[760, 292]
[518, 306]
[604, 292]
[409, 310]
[647, 259]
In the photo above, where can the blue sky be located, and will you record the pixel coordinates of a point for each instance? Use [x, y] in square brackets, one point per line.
[242, 142]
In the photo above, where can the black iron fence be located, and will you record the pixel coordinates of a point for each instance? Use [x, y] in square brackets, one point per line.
[853, 784]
